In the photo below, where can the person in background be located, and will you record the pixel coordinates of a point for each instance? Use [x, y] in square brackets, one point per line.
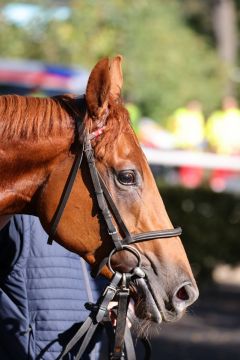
[187, 125]
[223, 135]
[223, 128]
[43, 290]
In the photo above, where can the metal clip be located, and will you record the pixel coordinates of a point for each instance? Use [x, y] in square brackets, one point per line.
[111, 233]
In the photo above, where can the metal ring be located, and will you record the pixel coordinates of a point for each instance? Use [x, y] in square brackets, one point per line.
[125, 247]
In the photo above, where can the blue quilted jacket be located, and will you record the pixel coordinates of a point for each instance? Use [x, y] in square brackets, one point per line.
[42, 294]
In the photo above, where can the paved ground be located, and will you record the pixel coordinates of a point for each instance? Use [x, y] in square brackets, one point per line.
[211, 329]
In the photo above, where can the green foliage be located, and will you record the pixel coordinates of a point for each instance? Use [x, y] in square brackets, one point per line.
[166, 62]
[170, 64]
[210, 225]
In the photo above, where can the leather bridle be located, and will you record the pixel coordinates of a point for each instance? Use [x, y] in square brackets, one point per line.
[120, 282]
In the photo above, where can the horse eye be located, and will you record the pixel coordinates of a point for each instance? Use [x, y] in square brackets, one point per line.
[127, 177]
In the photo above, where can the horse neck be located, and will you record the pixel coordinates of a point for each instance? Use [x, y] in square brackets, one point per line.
[30, 148]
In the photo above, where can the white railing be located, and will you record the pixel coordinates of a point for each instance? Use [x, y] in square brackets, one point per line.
[189, 158]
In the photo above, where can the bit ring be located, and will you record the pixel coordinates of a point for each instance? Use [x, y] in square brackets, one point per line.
[129, 248]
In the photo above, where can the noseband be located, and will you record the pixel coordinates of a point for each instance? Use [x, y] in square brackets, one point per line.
[120, 281]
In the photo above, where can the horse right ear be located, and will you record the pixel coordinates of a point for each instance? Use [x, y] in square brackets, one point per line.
[98, 90]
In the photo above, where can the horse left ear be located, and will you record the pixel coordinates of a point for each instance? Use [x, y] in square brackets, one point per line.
[116, 77]
[105, 81]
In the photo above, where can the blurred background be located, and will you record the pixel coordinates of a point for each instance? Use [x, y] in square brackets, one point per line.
[182, 89]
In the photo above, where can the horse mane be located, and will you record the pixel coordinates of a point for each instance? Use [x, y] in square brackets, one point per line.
[31, 118]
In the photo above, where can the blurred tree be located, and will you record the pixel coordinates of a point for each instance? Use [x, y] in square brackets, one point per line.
[225, 28]
[217, 21]
[208, 239]
[198, 16]
[166, 62]
[170, 63]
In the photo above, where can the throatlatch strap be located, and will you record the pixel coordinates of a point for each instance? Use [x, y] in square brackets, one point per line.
[65, 195]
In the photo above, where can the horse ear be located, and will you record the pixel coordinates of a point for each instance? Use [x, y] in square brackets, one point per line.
[116, 77]
[98, 89]
[104, 81]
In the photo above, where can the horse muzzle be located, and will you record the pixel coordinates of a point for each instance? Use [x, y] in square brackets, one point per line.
[152, 302]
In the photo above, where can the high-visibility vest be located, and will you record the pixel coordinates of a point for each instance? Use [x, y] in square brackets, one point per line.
[188, 128]
[223, 131]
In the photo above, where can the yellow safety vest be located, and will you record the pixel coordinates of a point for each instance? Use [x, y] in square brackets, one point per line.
[223, 131]
[188, 128]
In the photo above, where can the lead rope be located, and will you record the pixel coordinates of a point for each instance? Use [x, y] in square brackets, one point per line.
[65, 195]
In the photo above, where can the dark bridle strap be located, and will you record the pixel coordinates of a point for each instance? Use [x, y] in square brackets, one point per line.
[112, 230]
[152, 235]
[121, 323]
[65, 195]
[122, 226]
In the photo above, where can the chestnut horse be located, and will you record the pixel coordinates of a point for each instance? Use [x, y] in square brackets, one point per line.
[37, 137]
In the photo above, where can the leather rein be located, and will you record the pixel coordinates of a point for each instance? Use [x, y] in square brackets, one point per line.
[119, 285]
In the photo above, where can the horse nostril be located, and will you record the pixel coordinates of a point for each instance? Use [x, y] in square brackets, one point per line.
[182, 294]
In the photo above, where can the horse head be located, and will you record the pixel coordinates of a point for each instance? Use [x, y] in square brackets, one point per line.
[170, 286]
